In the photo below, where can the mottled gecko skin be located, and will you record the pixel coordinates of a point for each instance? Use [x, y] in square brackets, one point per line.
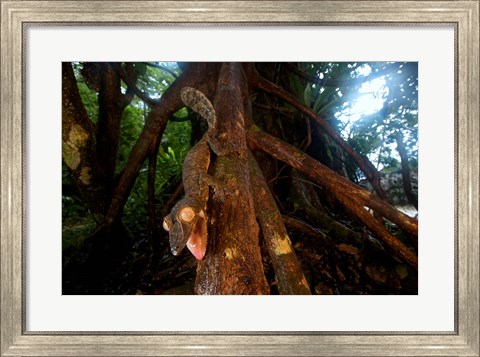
[187, 222]
[195, 167]
[200, 104]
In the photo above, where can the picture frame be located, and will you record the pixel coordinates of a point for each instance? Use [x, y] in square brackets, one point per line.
[16, 341]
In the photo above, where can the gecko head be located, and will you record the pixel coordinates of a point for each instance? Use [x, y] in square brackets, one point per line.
[187, 226]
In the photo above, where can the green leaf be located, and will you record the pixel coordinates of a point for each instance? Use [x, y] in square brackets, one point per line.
[171, 153]
[307, 95]
[318, 102]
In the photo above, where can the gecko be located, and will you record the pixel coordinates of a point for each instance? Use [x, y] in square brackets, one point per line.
[187, 221]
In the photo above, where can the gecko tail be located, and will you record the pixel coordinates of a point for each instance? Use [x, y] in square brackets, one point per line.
[199, 103]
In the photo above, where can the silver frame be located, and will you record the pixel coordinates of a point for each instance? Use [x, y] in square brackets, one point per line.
[15, 341]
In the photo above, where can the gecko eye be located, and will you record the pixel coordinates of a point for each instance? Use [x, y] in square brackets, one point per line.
[187, 214]
[166, 226]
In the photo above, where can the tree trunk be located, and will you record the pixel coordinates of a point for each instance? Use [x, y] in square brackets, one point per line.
[233, 263]
[288, 270]
[78, 144]
[407, 183]
[111, 104]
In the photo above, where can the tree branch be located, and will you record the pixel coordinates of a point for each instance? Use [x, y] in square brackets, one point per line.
[407, 183]
[328, 82]
[111, 104]
[198, 75]
[152, 217]
[365, 165]
[132, 86]
[294, 223]
[288, 271]
[351, 196]
[165, 69]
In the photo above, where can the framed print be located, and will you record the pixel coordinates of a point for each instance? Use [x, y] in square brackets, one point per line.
[61, 61]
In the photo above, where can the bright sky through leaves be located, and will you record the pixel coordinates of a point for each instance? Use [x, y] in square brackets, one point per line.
[370, 99]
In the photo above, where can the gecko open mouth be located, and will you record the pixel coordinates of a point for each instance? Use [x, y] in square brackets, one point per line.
[197, 242]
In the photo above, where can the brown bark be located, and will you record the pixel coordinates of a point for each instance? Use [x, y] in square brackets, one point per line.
[305, 197]
[293, 223]
[308, 201]
[352, 197]
[152, 216]
[288, 270]
[365, 165]
[233, 263]
[78, 143]
[111, 104]
[199, 75]
[407, 183]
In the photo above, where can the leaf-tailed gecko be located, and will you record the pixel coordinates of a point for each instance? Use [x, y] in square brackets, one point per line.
[187, 221]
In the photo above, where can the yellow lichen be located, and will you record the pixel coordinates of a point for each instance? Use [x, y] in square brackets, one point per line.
[230, 253]
[77, 136]
[77, 139]
[71, 156]
[85, 175]
[254, 128]
[282, 244]
[298, 156]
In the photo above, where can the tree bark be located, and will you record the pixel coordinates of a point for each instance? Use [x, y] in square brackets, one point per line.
[365, 165]
[111, 104]
[199, 75]
[233, 263]
[407, 183]
[288, 270]
[152, 216]
[308, 201]
[351, 196]
[78, 144]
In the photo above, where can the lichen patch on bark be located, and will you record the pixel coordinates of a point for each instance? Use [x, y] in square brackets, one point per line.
[71, 156]
[230, 253]
[85, 175]
[77, 136]
[282, 245]
[71, 149]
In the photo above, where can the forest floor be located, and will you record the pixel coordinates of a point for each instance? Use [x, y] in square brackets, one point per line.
[106, 267]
